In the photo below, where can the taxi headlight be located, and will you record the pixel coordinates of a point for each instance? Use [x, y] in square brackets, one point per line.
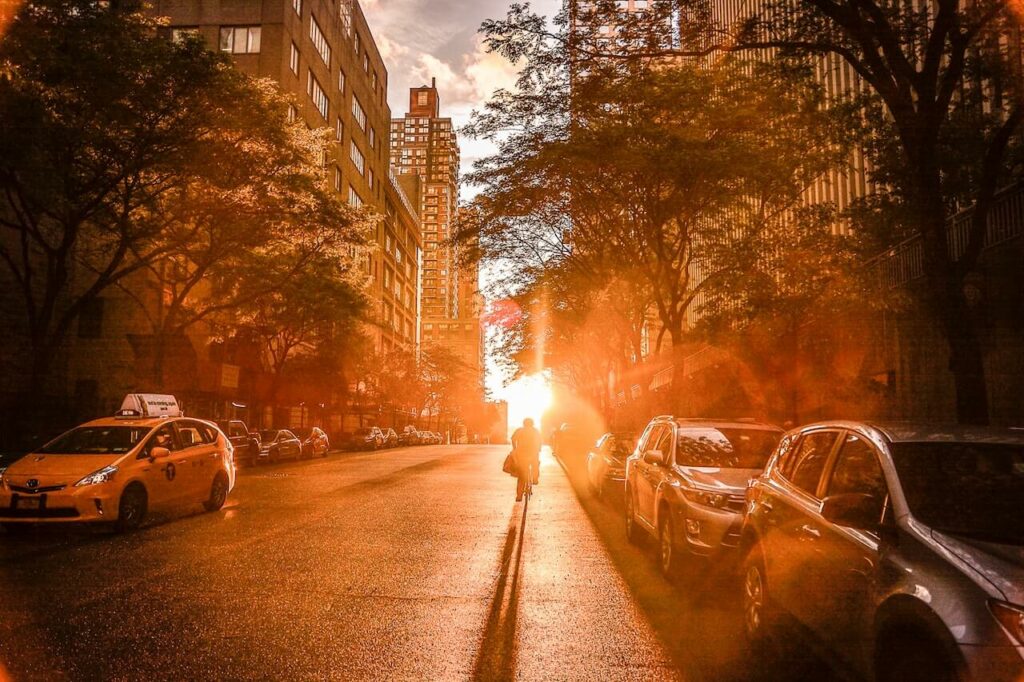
[104, 475]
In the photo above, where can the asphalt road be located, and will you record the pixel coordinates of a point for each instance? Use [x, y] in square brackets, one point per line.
[404, 564]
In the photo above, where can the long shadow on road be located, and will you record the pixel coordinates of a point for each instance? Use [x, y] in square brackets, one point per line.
[497, 656]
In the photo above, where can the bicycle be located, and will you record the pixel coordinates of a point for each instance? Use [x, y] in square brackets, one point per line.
[528, 490]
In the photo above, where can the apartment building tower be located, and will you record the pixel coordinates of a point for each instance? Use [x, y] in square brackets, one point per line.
[323, 53]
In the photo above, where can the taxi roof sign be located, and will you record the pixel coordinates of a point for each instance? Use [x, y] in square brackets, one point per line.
[149, 405]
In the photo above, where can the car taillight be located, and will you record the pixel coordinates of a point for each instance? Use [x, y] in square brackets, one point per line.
[1011, 617]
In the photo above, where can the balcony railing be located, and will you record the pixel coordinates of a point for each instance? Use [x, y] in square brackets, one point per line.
[904, 262]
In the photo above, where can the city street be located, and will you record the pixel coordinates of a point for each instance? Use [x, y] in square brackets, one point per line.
[402, 564]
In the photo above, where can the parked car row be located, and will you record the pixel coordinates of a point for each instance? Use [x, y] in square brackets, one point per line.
[900, 548]
[376, 438]
[274, 445]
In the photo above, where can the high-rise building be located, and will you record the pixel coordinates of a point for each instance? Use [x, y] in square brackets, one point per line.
[425, 145]
[323, 53]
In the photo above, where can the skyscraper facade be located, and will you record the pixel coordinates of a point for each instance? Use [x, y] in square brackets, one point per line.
[425, 145]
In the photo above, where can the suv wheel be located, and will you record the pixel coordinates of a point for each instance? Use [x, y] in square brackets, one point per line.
[669, 559]
[759, 619]
[909, 655]
[632, 532]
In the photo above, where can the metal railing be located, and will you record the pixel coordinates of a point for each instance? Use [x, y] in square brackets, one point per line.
[904, 262]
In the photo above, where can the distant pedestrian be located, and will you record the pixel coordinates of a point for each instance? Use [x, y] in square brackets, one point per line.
[526, 452]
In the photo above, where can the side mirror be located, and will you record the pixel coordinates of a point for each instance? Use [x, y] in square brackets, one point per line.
[656, 457]
[854, 510]
[158, 453]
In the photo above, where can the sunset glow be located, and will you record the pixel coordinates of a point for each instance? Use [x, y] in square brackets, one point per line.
[527, 397]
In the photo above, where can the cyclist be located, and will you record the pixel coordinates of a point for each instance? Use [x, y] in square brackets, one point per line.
[526, 452]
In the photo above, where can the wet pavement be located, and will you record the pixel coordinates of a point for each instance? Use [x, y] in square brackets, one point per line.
[413, 563]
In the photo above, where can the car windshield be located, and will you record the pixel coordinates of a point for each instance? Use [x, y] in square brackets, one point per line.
[970, 489]
[267, 436]
[725, 448]
[96, 440]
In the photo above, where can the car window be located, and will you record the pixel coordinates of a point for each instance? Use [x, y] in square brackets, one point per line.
[164, 437]
[237, 429]
[622, 445]
[725, 448]
[287, 435]
[651, 439]
[971, 489]
[808, 463]
[96, 440]
[857, 471]
[662, 441]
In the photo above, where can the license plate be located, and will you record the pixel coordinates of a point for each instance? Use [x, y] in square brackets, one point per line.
[29, 502]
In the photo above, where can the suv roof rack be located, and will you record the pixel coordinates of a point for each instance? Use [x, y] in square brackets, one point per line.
[664, 416]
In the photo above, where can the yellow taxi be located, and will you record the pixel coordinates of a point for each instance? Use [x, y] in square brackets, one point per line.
[115, 470]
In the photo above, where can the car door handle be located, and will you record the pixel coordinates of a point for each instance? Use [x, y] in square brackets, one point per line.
[810, 532]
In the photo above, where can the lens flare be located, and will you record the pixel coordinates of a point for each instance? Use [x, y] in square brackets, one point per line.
[528, 396]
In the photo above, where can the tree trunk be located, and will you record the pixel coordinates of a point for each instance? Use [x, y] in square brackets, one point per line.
[948, 305]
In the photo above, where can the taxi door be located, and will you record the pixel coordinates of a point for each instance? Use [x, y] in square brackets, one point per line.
[197, 457]
[160, 475]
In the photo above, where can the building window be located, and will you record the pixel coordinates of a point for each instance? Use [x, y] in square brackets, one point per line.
[353, 197]
[357, 158]
[293, 60]
[240, 39]
[373, 81]
[421, 98]
[337, 179]
[339, 129]
[366, 62]
[360, 115]
[341, 80]
[317, 94]
[373, 138]
[293, 113]
[369, 178]
[179, 35]
[356, 42]
[297, 6]
[319, 41]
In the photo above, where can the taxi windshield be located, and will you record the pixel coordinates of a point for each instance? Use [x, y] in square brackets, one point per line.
[725, 448]
[970, 489]
[96, 440]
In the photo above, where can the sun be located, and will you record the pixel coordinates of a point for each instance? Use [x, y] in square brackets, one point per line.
[528, 396]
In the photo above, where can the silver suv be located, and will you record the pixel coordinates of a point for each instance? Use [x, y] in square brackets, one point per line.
[900, 547]
[685, 485]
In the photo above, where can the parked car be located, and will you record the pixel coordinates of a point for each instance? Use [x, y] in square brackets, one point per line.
[117, 469]
[314, 442]
[280, 444]
[364, 438]
[686, 484]
[246, 443]
[606, 463]
[899, 547]
[410, 436]
[390, 438]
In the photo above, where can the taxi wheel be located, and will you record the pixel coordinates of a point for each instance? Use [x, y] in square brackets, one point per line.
[218, 493]
[131, 510]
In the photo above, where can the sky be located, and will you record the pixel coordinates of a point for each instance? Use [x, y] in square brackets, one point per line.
[421, 39]
[424, 39]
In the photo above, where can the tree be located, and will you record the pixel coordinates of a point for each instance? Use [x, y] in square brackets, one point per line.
[646, 171]
[104, 125]
[313, 314]
[263, 225]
